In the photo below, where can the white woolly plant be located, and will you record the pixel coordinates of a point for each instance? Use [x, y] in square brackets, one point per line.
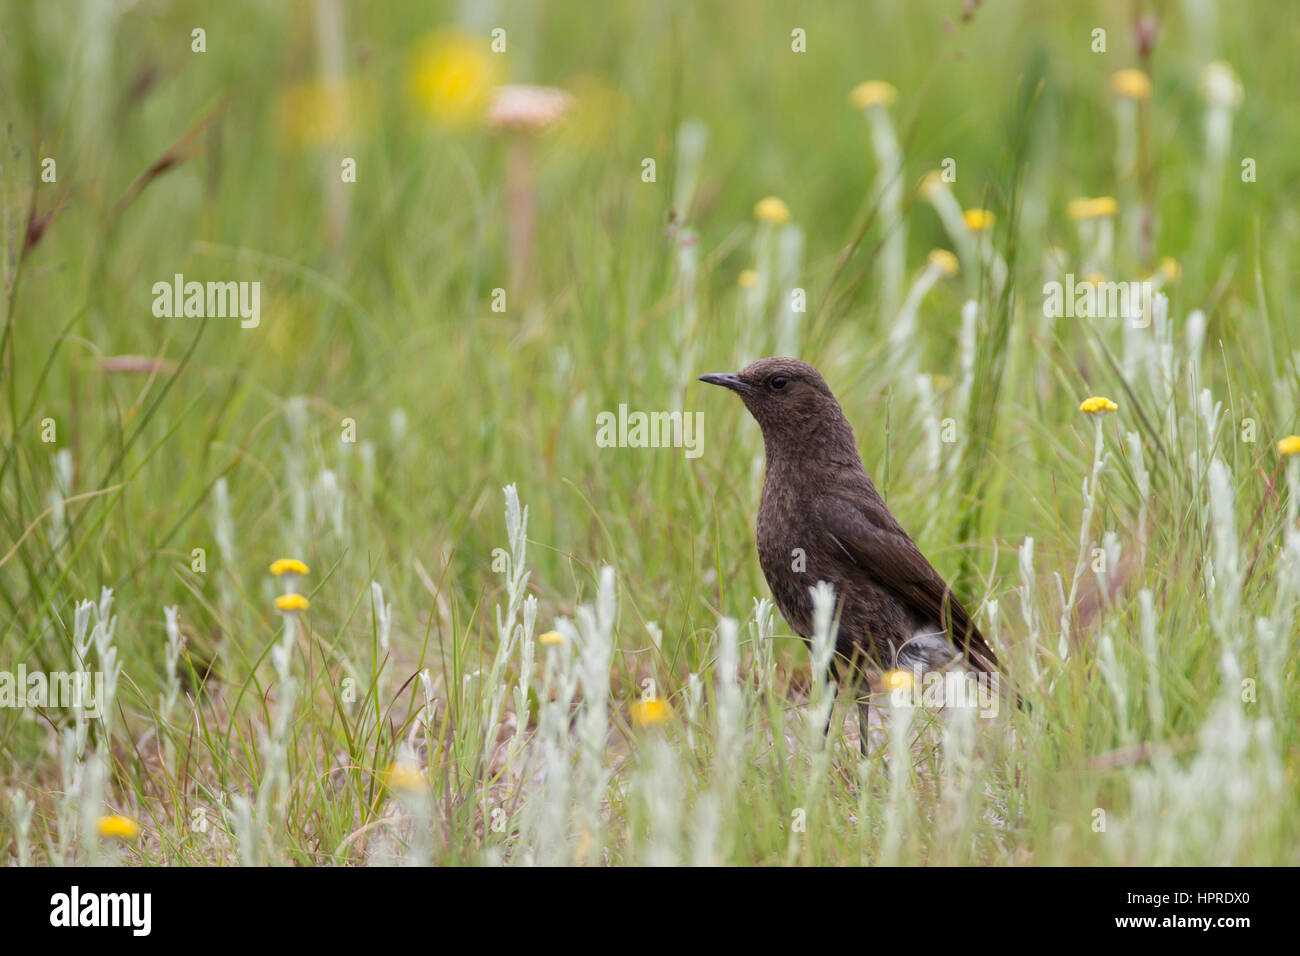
[730, 698]
[171, 659]
[1152, 657]
[789, 263]
[510, 632]
[1142, 478]
[548, 841]
[762, 639]
[20, 815]
[874, 99]
[1091, 497]
[1029, 602]
[593, 636]
[1224, 572]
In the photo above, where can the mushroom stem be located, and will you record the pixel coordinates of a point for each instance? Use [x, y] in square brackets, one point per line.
[522, 200]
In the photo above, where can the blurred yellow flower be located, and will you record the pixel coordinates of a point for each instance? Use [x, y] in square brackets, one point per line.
[288, 566]
[944, 260]
[1097, 405]
[551, 639]
[452, 74]
[1105, 206]
[650, 711]
[773, 210]
[1290, 445]
[898, 680]
[747, 279]
[1170, 269]
[873, 93]
[1093, 278]
[118, 827]
[979, 220]
[320, 111]
[405, 776]
[292, 602]
[932, 184]
[1086, 208]
[1131, 84]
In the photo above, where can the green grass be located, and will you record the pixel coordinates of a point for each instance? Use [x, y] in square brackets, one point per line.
[388, 322]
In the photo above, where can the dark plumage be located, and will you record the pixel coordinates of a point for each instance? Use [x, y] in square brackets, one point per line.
[895, 611]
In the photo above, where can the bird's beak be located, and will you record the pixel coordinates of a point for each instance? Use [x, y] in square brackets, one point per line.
[726, 380]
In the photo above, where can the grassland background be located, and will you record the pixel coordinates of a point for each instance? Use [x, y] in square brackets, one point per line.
[395, 314]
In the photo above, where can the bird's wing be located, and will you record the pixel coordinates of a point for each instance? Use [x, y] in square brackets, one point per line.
[874, 541]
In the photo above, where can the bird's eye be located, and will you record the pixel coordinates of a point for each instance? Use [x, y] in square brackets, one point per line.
[778, 382]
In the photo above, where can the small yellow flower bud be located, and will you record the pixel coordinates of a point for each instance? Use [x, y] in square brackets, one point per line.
[932, 184]
[773, 210]
[289, 566]
[1288, 446]
[873, 93]
[405, 776]
[1105, 207]
[118, 827]
[898, 680]
[650, 712]
[292, 602]
[979, 220]
[1131, 84]
[551, 639]
[747, 279]
[1097, 405]
[944, 261]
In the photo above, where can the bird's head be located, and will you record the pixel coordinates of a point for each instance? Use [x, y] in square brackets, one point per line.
[789, 400]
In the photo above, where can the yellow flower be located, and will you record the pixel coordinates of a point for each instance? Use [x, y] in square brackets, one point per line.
[292, 602]
[873, 93]
[1105, 207]
[773, 210]
[405, 776]
[932, 184]
[288, 566]
[747, 279]
[1085, 208]
[1170, 269]
[551, 639]
[650, 711]
[944, 260]
[452, 74]
[1093, 278]
[979, 220]
[118, 827]
[1290, 445]
[1131, 84]
[898, 680]
[1097, 405]
[320, 111]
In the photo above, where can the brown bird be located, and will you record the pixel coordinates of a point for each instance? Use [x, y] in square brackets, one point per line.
[821, 519]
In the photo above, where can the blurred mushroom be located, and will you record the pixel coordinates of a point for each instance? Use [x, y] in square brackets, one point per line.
[521, 113]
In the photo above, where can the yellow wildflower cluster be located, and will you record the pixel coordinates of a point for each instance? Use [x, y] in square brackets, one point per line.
[1097, 405]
